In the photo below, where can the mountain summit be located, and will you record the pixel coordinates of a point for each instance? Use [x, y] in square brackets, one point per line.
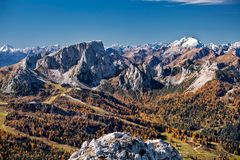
[187, 42]
[81, 64]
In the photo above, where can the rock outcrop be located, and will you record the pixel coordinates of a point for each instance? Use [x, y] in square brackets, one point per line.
[121, 146]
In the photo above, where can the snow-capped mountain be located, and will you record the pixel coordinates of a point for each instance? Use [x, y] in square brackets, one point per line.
[29, 50]
[153, 46]
[187, 42]
[7, 48]
[41, 50]
[10, 55]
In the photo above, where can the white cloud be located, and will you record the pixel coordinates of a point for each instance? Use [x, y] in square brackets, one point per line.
[193, 1]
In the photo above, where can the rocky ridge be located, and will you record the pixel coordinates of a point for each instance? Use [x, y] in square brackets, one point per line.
[122, 146]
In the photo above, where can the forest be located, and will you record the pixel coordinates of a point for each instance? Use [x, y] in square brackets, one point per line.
[210, 115]
[18, 147]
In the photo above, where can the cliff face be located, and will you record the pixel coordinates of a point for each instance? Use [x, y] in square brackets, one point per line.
[122, 146]
[86, 63]
[138, 78]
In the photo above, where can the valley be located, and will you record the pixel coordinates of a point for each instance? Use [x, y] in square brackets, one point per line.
[186, 94]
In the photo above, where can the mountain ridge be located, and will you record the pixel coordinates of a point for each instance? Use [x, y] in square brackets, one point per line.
[10, 55]
[88, 63]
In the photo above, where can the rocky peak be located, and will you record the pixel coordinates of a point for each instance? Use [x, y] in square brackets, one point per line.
[122, 146]
[69, 56]
[84, 63]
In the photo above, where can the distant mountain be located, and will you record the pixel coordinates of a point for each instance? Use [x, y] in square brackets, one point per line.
[10, 55]
[7, 48]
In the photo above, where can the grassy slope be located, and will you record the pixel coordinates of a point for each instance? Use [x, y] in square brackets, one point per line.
[188, 151]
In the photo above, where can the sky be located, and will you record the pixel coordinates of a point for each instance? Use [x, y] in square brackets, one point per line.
[26, 23]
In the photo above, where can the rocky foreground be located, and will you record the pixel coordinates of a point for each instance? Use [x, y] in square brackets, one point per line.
[122, 146]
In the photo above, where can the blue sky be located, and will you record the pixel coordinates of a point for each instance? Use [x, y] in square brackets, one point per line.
[44, 22]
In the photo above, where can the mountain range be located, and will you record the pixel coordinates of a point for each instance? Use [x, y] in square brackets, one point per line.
[10, 55]
[144, 67]
[184, 92]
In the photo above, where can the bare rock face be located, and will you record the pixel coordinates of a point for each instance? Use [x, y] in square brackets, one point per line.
[86, 63]
[137, 77]
[122, 146]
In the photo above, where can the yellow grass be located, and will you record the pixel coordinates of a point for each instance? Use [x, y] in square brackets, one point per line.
[3, 103]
